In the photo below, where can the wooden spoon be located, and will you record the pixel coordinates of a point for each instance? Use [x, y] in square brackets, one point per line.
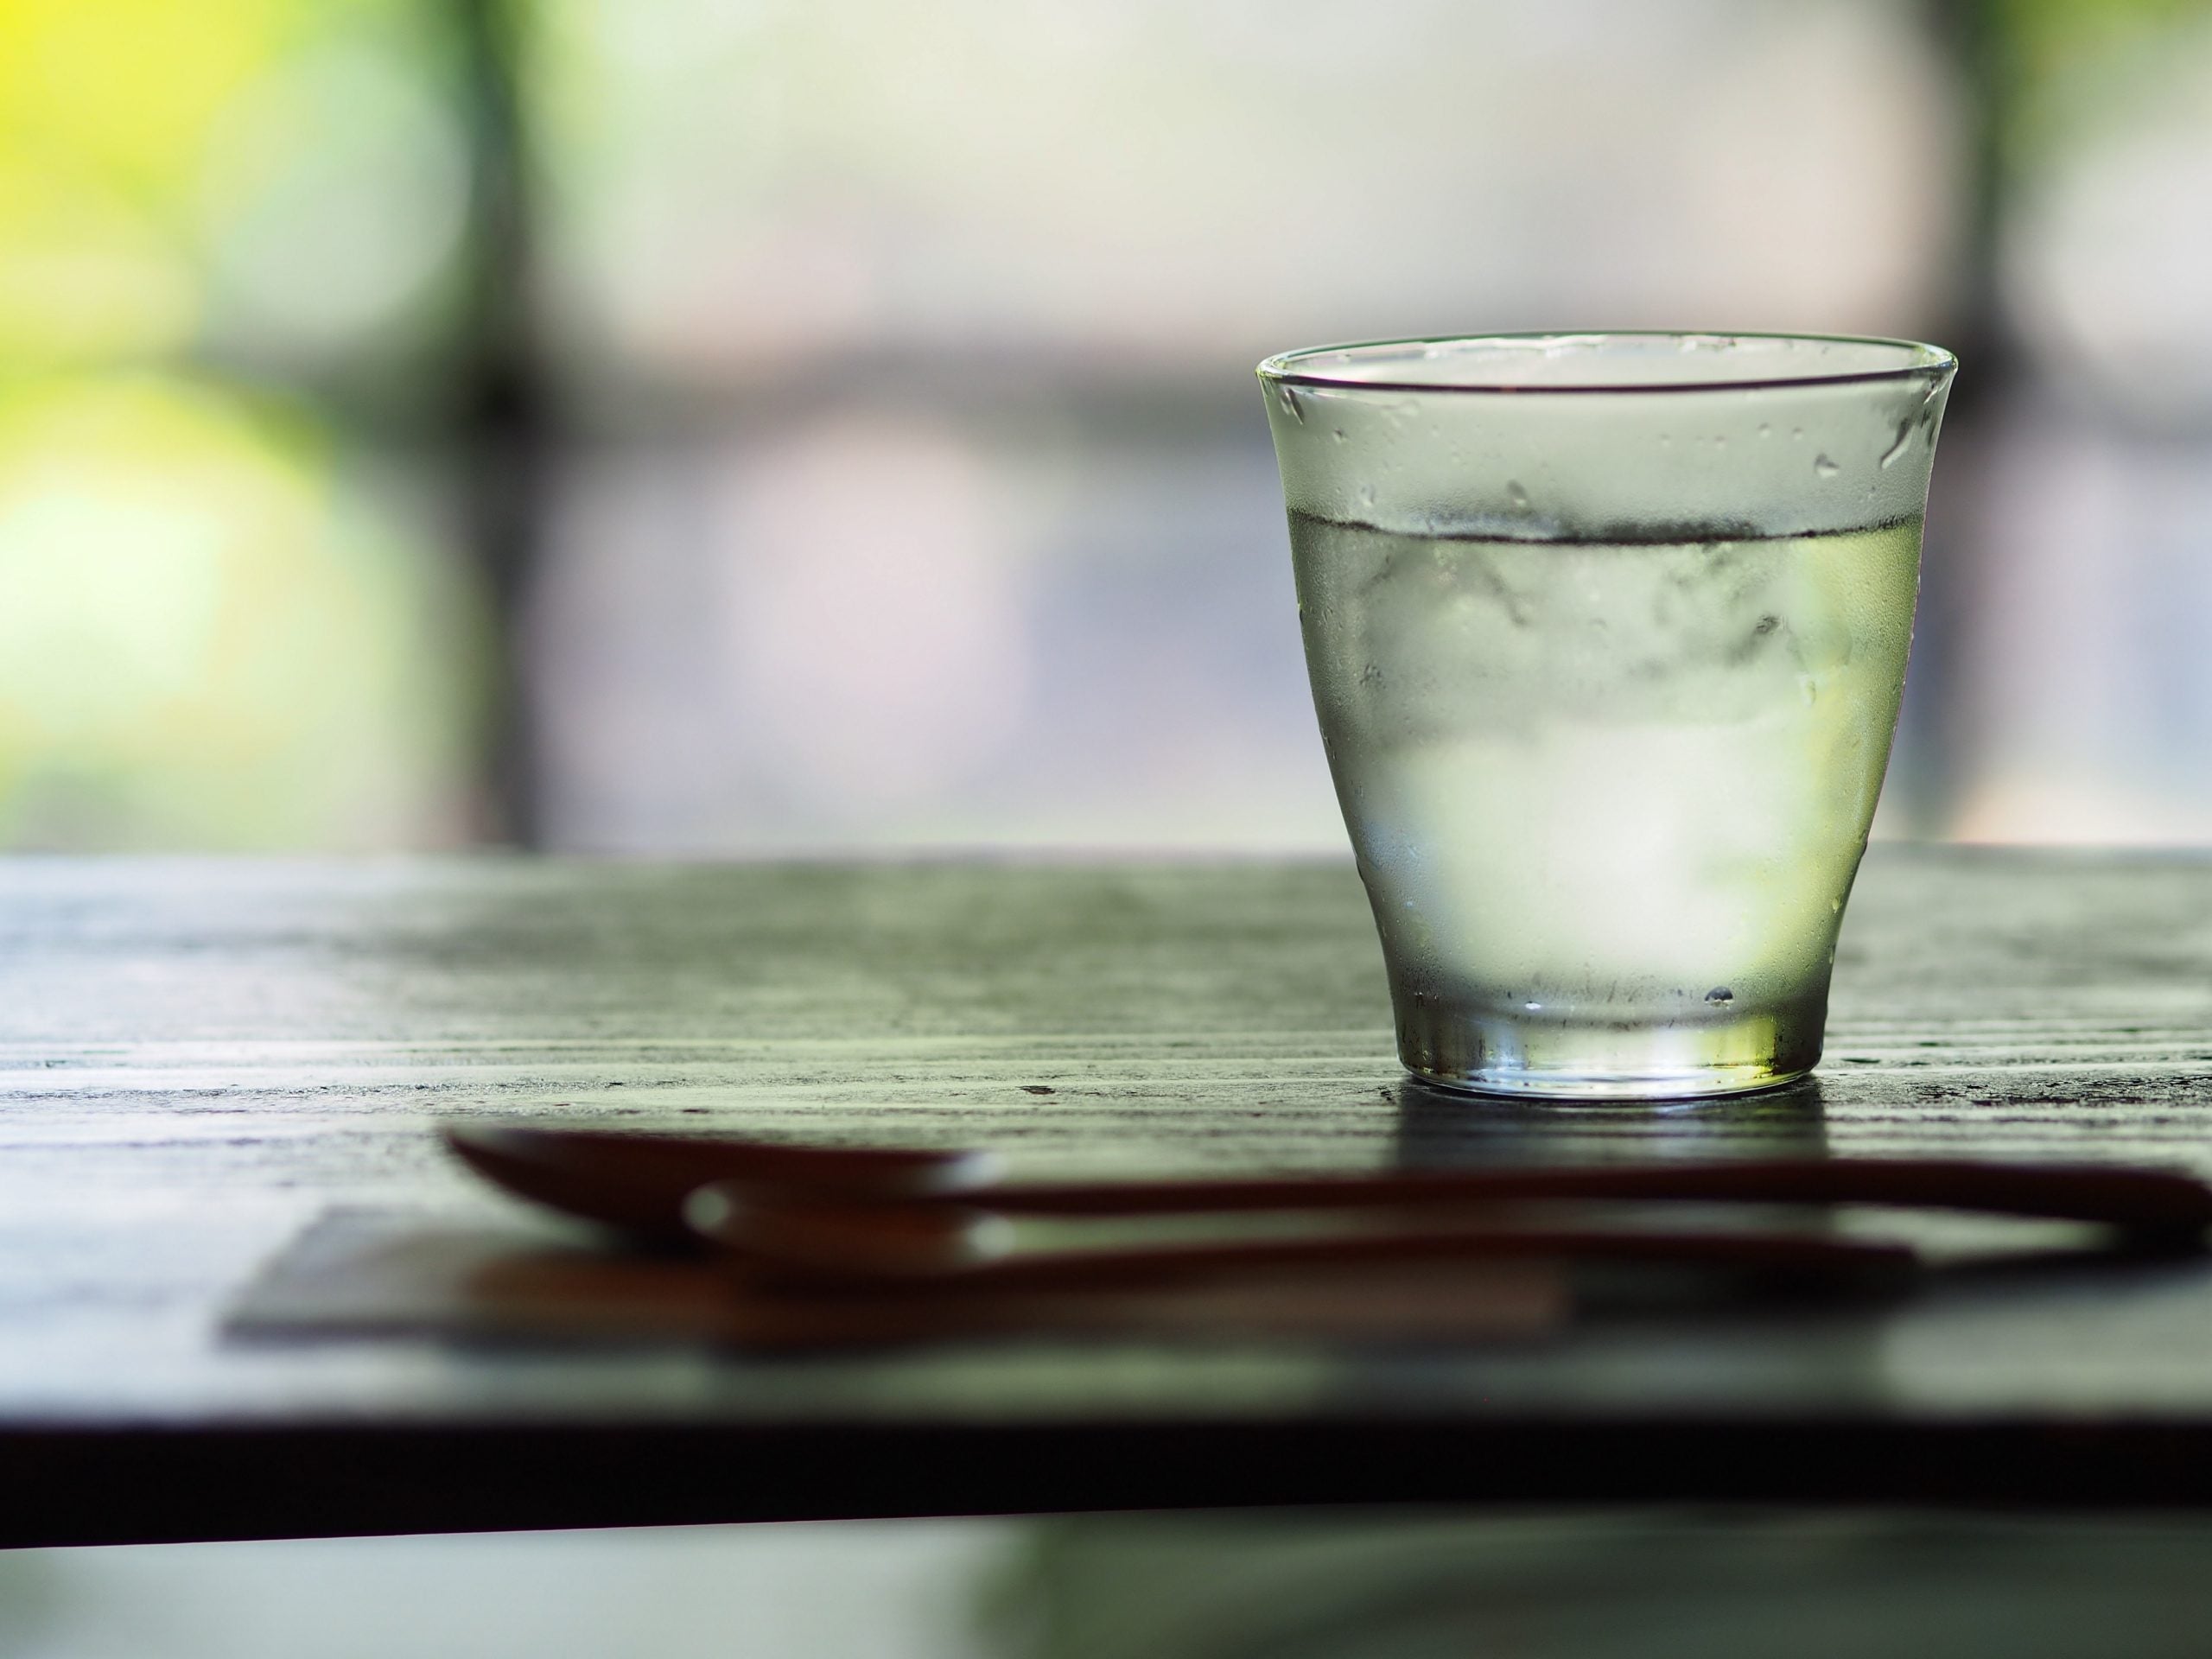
[638, 1182]
[944, 1244]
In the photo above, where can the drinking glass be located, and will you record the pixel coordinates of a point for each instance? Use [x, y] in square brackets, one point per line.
[1608, 634]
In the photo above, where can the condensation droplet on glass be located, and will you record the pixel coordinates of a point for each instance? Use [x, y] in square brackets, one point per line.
[1338, 434]
[1797, 434]
[1517, 496]
[1288, 398]
[1765, 430]
[1719, 995]
[1825, 467]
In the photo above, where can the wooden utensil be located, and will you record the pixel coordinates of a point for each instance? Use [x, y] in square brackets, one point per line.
[639, 1183]
[941, 1245]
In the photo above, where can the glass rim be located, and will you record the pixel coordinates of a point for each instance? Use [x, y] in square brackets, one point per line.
[1283, 367]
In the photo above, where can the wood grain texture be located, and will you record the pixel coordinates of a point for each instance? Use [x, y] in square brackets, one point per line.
[198, 1059]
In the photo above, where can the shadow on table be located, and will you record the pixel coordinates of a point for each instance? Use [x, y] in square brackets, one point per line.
[1651, 1585]
[1438, 1128]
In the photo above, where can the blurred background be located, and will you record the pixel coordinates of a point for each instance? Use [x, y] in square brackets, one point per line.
[720, 426]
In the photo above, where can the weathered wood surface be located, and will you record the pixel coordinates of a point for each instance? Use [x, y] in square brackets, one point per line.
[197, 1058]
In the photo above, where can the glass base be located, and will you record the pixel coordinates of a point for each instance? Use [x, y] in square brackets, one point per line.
[1567, 1058]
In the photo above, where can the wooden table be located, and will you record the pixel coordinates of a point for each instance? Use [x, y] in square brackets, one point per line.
[201, 1057]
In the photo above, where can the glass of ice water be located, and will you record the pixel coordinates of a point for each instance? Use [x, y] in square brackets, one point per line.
[1608, 634]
